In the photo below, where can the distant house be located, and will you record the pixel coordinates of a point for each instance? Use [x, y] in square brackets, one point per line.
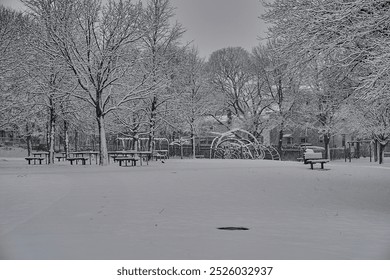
[306, 137]
[7, 137]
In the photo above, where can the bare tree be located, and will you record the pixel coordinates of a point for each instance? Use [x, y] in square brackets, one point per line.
[324, 95]
[280, 86]
[347, 39]
[231, 75]
[160, 43]
[14, 101]
[194, 99]
[349, 34]
[370, 120]
[99, 45]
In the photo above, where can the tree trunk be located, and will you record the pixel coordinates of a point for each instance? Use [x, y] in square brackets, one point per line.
[152, 127]
[136, 142]
[66, 137]
[102, 141]
[52, 136]
[230, 118]
[280, 141]
[52, 125]
[181, 146]
[326, 144]
[28, 140]
[76, 140]
[375, 149]
[48, 136]
[193, 141]
[357, 154]
[381, 152]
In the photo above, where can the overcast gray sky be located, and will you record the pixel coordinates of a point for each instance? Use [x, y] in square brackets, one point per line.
[213, 24]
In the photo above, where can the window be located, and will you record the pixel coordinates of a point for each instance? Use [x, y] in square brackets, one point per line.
[303, 140]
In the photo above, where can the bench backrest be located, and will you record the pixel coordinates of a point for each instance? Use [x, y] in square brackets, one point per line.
[309, 155]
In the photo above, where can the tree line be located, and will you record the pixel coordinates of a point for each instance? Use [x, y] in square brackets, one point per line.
[339, 49]
[122, 67]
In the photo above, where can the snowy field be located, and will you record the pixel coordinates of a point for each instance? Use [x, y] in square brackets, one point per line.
[173, 210]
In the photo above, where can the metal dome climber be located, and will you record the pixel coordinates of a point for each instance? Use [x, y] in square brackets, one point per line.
[241, 144]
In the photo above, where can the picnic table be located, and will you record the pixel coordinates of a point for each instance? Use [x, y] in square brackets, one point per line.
[86, 154]
[41, 155]
[115, 154]
[131, 153]
[126, 159]
[34, 159]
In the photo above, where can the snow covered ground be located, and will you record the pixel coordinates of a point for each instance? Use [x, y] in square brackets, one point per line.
[173, 210]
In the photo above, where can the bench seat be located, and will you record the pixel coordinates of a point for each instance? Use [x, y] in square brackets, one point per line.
[126, 160]
[314, 161]
[60, 157]
[76, 159]
[311, 156]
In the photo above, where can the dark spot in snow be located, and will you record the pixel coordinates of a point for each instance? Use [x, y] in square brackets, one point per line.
[233, 228]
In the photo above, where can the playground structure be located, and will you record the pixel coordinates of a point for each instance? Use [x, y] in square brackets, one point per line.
[241, 144]
[233, 144]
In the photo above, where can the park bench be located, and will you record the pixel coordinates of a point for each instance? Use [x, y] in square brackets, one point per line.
[199, 156]
[126, 160]
[35, 159]
[314, 161]
[311, 155]
[76, 159]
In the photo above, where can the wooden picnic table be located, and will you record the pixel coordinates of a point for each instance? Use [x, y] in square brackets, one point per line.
[40, 154]
[88, 154]
[116, 153]
[132, 153]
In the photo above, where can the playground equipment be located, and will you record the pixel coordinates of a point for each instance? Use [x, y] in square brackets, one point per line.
[241, 144]
[180, 143]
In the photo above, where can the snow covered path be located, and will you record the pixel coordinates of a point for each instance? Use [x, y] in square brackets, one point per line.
[173, 210]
